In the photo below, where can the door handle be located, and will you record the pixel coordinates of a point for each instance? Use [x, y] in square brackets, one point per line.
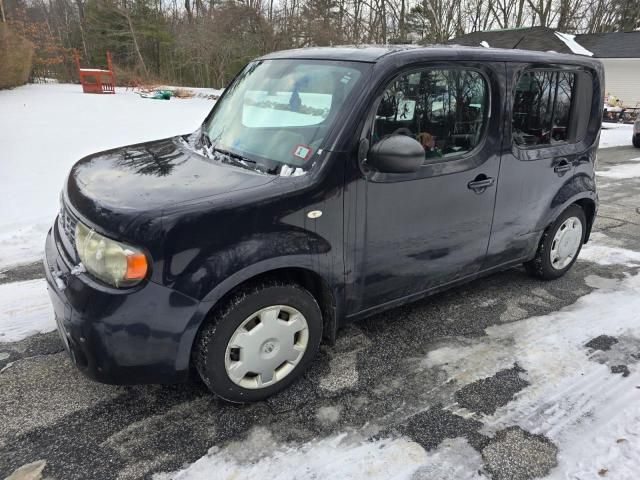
[562, 166]
[480, 183]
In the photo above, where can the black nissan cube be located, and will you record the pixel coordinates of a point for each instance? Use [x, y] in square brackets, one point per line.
[326, 185]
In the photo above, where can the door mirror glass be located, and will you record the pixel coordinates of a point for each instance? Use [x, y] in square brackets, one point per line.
[396, 154]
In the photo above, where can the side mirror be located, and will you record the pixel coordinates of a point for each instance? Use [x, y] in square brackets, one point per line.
[396, 154]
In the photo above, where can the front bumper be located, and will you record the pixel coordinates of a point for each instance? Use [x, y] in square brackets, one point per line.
[120, 336]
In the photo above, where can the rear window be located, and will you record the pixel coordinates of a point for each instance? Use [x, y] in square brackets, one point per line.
[542, 107]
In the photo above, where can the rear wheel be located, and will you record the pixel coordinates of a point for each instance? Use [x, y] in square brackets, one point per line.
[636, 141]
[259, 342]
[559, 246]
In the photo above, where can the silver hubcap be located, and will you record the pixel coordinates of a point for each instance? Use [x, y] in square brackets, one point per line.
[266, 347]
[566, 243]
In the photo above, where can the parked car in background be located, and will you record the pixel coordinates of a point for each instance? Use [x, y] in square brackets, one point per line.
[636, 133]
[326, 185]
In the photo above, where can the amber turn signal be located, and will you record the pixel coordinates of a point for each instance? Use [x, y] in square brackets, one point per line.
[136, 266]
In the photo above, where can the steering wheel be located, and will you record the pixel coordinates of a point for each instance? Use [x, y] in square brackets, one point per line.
[403, 131]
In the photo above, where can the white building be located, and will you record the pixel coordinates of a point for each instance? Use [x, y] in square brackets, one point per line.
[620, 54]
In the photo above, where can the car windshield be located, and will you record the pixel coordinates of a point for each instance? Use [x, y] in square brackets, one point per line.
[277, 113]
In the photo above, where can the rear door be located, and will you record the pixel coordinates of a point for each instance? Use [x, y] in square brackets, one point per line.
[540, 154]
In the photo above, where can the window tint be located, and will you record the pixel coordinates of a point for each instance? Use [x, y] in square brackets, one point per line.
[445, 110]
[542, 107]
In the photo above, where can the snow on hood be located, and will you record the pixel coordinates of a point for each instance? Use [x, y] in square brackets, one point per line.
[570, 41]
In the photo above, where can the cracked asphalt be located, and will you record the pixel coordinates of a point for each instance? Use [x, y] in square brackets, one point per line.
[373, 381]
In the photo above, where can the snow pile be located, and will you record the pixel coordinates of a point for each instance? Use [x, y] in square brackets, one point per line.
[570, 41]
[615, 135]
[25, 309]
[45, 129]
[626, 170]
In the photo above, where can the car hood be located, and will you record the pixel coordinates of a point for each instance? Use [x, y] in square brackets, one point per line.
[111, 188]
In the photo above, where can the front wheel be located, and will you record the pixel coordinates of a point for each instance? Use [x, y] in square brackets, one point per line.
[259, 342]
[636, 141]
[559, 246]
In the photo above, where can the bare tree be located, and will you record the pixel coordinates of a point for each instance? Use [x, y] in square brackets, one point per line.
[205, 42]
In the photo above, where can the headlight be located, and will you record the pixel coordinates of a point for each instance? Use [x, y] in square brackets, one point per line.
[112, 262]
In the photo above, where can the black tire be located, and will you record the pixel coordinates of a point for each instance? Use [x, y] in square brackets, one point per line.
[211, 342]
[636, 141]
[540, 266]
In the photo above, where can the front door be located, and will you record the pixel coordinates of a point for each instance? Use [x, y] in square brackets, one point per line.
[429, 228]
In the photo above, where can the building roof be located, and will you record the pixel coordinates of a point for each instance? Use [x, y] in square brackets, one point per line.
[602, 45]
[534, 38]
[612, 45]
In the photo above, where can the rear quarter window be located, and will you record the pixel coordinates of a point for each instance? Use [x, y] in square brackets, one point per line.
[542, 107]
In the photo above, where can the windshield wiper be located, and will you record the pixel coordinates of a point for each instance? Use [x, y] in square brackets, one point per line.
[234, 156]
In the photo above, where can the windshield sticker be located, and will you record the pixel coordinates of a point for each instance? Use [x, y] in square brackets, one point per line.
[302, 151]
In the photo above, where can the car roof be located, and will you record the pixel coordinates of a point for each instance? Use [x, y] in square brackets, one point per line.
[354, 53]
[378, 53]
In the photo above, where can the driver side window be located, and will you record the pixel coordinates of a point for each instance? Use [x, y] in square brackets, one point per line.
[445, 110]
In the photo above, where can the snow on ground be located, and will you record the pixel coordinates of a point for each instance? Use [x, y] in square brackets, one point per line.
[340, 457]
[45, 129]
[615, 135]
[335, 457]
[604, 255]
[25, 309]
[625, 170]
[595, 429]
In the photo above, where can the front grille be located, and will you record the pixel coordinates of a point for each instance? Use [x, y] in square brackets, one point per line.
[67, 224]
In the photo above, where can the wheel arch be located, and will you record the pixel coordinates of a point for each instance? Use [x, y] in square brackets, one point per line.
[305, 277]
[579, 190]
[588, 205]
[587, 201]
